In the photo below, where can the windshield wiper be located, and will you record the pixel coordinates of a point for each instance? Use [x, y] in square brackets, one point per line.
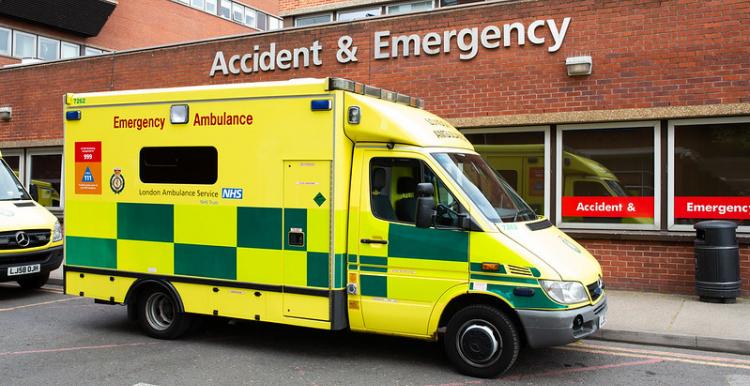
[523, 211]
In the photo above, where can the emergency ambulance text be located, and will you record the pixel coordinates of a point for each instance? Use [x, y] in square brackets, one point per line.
[138, 123]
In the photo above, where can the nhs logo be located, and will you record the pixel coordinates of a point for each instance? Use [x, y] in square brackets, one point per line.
[231, 193]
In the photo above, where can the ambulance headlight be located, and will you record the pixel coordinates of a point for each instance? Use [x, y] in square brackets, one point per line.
[57, 232]
[565, 292]
[178, 114]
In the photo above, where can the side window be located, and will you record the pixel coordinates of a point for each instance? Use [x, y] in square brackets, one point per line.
[393, 184]
[179, 165]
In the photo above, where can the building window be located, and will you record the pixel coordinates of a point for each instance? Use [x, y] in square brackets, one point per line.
[24, 45]
[43, 176]
[262, 21]
[312, 20]
[709, 163]
[450, 3]
[225, 9]
[274, 23]
[179, 165]
[49, 49]
[355, 14]
[521, 157]
[88, 51]
[250, 17]
[409, 7]
[69, 50]
[5, 41]
[200, 4]
[608, 175]
[238, 12]
[211, 6]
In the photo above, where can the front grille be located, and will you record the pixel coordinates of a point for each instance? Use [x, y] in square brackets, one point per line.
[36, 237]
[25, 258]
[516, 270]
[595, 289]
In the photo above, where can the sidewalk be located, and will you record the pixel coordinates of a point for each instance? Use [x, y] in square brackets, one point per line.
[677, 321]
[661, 319]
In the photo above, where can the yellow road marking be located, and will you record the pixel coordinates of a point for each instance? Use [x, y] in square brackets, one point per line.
[37, 304]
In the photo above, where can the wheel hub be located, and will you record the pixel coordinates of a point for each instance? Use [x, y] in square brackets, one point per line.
[479, 344]
[160, 311]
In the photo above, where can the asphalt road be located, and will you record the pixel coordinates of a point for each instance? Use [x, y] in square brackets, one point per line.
[49, 338]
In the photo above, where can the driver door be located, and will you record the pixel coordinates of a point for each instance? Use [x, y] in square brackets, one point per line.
[403, 270]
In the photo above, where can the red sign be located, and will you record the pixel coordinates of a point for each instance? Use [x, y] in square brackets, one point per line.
[575, 206]
[88, 167]
[735, 208]
[88, 152]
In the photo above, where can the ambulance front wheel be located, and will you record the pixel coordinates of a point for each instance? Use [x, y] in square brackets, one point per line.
[481, 341]
[159, 316]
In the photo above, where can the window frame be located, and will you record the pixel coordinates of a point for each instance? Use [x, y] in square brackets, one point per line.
[28, 165]
[546, 129]
[388, 7]
[424, 164]
[362, 9]
[214, 3]
[219, 7]
[39, 40]
[13, 49]
[77, 46]
[21, 161]
[87, 48]
[235, 8]
[297, 18]
[10, 42]
[255, 17]
[671, 165]
[561, 129]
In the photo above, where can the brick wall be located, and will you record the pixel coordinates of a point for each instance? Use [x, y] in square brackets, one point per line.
[144, 23]
[646, 53]
[291, 5]
[654, 266]
[267, 6]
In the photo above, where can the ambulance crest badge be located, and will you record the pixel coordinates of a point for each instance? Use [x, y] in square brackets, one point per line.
[117, 181]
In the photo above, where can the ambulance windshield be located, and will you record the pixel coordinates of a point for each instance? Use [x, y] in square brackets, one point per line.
[10, 188]
[489, 192]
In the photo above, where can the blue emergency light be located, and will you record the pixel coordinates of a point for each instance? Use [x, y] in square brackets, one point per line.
[74, 115]
[320, 104]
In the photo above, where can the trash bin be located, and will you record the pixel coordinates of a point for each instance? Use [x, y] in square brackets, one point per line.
[717, 261]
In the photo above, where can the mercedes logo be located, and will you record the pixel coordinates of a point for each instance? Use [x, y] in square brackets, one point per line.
[22, 239]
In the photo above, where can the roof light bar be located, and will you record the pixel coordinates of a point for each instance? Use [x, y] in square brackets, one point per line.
[363, 89]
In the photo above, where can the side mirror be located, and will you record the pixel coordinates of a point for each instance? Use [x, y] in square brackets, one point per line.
[425, 204]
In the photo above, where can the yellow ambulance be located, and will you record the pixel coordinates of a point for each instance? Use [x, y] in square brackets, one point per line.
[30, 236]
[322, 203]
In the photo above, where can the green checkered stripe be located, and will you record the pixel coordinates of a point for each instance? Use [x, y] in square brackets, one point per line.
[258, 228]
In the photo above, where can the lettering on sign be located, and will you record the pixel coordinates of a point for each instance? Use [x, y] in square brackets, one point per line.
[617, 207]
[467, 42]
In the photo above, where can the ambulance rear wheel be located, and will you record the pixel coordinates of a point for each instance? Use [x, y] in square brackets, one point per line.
[481, 341]
[159, 316]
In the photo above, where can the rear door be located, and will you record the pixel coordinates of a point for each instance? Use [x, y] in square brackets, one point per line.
[307, 235]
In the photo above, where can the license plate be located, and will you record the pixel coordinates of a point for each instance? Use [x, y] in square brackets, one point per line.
[602, 320]
[24, 270]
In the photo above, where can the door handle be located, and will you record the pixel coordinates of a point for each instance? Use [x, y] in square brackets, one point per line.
[373, 241]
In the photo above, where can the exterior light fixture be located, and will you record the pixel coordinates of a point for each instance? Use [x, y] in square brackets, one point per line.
[5, 113]
[579, 65]
[178, 114]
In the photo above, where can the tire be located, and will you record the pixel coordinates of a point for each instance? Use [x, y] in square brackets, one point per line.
[34, 282]
[481, 341]
[158, 315]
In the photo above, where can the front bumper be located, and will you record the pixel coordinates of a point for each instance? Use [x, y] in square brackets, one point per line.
[555, 328]
[48, 259]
